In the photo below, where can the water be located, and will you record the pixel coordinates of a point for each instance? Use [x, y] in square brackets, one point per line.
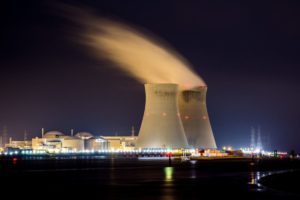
[131, 178]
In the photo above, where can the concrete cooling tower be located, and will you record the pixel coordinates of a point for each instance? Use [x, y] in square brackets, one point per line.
[194, 116]
[161, 126]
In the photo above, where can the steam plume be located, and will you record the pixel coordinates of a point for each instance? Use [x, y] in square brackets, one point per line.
[147, 59]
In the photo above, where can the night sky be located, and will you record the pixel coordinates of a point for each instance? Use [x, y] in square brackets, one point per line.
[248, 53]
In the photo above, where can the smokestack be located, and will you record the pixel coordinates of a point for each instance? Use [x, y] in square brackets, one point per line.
[132, 131]
[25, 135]
[43, 131]
[194, 116]
[4, 136]
[72, 132]
[252, 144]
[259, 143]
[161, 126]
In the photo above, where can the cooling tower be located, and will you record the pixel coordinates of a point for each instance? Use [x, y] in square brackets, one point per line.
[194, 116]
[161, 126]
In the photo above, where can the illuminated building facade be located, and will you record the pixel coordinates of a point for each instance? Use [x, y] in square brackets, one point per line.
[121, 142]
[55, 140]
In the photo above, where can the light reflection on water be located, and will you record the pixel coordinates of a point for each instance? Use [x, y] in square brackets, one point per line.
[168, 174]
[168, 190]
[193, 170]
[254, 178]
[112, 174]
[193, 162]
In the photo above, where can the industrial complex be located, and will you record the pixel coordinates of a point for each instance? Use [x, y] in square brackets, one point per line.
[174, 118]
[55, 142]
[175, 122]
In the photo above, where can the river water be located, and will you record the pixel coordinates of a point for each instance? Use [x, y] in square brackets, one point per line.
[133, 178]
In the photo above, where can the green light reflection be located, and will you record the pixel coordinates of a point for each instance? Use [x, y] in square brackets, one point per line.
[169, 173]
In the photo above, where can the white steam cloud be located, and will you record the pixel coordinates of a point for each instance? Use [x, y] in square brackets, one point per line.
[147, 59]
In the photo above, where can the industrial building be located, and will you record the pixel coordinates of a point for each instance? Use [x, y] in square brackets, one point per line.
[126, 143]
[161, 126]
[19, 144]
[175, 118]
[195, 120]
[55, 141]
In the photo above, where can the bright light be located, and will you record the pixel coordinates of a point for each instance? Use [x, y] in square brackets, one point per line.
[228, 148]
[168, 173]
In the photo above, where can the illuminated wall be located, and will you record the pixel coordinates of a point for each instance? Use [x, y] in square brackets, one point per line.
[194, 116]
[161, 126]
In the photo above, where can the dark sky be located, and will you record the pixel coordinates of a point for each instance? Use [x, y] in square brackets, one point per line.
[247, 52]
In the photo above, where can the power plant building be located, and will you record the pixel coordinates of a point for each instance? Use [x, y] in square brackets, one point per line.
[161, 126]
[173, 118]
[96, 143]
[56, 140]
[195, 120]
[121, 142]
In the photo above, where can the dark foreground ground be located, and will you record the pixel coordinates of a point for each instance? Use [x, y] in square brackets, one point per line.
[133, 178]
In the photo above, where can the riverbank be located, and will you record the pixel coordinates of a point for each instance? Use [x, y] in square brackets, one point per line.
[287, 181]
